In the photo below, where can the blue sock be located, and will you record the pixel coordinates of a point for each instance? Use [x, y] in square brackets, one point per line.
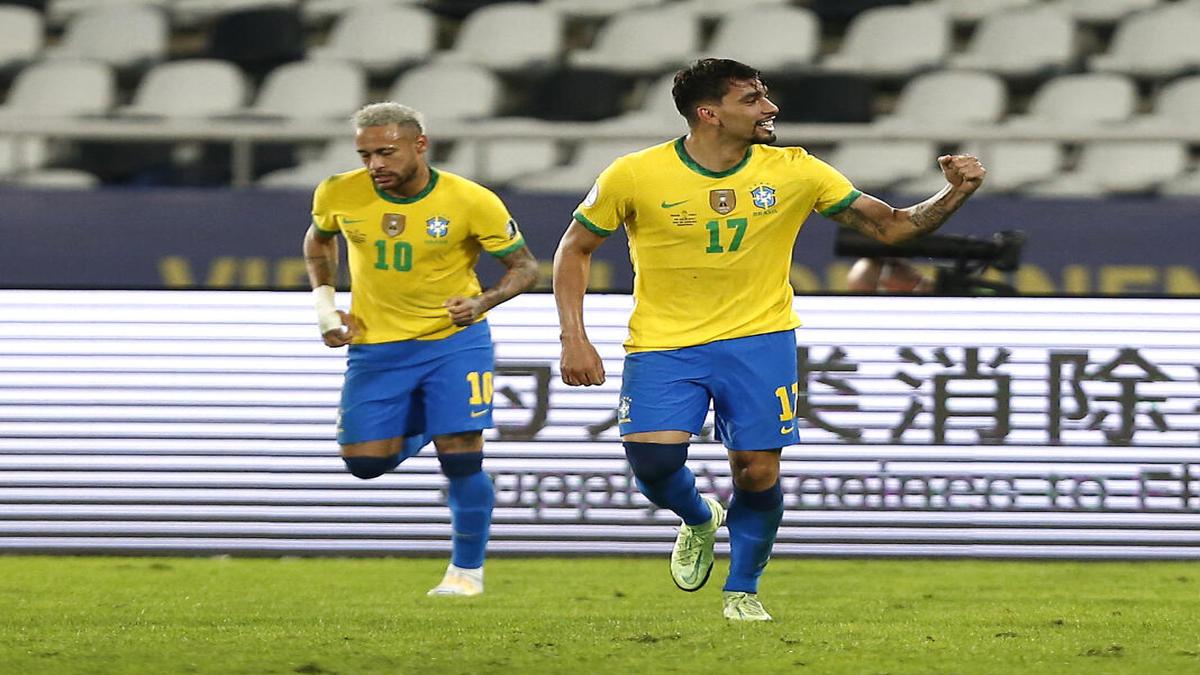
[753, 519]
[664, 478]
[471, 500]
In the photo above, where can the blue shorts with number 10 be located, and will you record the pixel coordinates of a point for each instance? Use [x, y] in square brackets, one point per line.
[751, 382]
[418, 388]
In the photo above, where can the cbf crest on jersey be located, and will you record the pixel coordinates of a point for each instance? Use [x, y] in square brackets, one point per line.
[437, 226]
[393, 224]
[722, 201]
[763, 196]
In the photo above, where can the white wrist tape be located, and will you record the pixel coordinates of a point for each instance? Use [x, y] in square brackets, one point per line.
[327, 315]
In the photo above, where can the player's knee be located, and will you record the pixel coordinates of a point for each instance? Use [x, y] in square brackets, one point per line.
[371, 467]
[653, 462]
[755, 475]
[770, 499]
[461, 464]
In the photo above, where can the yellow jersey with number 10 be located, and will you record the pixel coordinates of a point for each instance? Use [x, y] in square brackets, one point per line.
[711, 251]
[409, 255]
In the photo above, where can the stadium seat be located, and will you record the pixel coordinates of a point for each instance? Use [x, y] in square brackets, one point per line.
[1014, 165]
[191, 13]
[977, 9]
[381, 39]
[656, 115]
[21, 36]
[769, 38]
[57, 179]
[188, 89]
[877, 165]
[578, 175]
[1158, 43]
[335, 157]
[1020, 43]
[714, 9]
[313, 90]
[645, 41]
[500, 161]
[61, 89]
[258, 40]
[892, 42]
[508, 37]
[120, 35]
[22, 153]
[948, 97]
[1102, 11]
[448, 93]
[1187, 185]
[1176, 106]
[1070, 100]
[320, 12]
[1144, 166]
[590, 9]
[60, 12]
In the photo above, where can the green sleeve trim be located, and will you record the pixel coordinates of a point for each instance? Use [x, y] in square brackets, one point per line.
[590, 225]
[326, 234]
[508, 249]
[842, 205]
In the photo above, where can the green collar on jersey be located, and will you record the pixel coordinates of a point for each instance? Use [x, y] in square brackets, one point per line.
[691, 163]
[433, 179]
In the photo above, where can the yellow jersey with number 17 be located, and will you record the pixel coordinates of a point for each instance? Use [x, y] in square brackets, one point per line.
[711, 251]
[409, 255]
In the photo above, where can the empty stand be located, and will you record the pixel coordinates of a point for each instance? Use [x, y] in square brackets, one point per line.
[950, 97]
[444, 92]
[877, 165]
[893, 41]
[381, 38]
[643, 42]
[312, 90]
[1156, 44]
[121, 35]
[578, 175]
[1069, 100]
[509, 37]
[258, 40]
[1021, 43]
[190, 88]
[21, 35]
[770, 38]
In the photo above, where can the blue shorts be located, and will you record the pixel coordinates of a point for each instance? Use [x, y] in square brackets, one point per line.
[751, 382]
[418, 388]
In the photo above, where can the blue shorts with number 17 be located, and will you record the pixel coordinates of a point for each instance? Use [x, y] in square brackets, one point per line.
[750, 381]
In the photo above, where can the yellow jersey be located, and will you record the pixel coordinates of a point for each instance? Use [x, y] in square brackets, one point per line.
[711, 251]
[409, 255]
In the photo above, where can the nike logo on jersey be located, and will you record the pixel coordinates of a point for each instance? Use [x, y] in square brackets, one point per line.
[668, 205]
[478, 413]
[787, 429]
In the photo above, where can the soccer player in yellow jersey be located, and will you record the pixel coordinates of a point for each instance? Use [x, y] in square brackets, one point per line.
[420, 354]
[712, 218]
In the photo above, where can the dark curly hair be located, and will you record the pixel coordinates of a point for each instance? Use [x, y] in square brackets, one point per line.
[707, 80]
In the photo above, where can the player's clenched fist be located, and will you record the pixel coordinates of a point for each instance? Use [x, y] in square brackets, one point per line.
[964, 172]
[580, 363]
[464, 311]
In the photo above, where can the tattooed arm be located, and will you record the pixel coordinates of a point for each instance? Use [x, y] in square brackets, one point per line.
[879, 220]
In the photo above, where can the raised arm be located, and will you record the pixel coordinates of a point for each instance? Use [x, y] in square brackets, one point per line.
[881, 221]
[580, 363]
[520, 276]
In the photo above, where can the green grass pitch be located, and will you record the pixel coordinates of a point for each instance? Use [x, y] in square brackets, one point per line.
[593, 615]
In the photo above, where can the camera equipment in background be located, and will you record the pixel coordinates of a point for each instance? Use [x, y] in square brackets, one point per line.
[964, 259]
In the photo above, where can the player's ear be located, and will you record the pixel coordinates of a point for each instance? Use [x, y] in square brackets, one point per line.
[421, 144]
[706, 114]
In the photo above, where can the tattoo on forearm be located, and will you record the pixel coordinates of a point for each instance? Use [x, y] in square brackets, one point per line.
[520, 276]
[854, 218]
[931, 214]
[321, 269]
